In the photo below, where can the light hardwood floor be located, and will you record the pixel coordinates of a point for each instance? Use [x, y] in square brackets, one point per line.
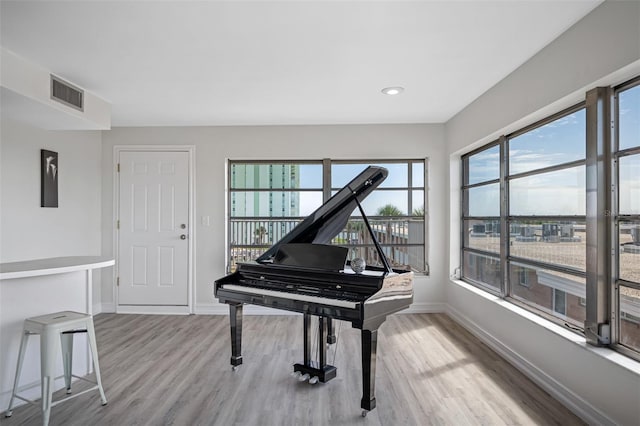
[174, 370]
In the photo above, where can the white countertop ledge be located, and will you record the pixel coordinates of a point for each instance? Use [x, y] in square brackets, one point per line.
[53, 265]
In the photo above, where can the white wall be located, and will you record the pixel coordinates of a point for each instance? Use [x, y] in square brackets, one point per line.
[602, 49]
[215, 145]
[28, 231]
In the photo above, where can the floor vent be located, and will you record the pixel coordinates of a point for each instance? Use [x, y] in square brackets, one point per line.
[67, 93]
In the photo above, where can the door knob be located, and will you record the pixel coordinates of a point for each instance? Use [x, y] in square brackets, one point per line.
[183, 237]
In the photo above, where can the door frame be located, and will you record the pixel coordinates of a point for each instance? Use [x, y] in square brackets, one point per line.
[191, 262]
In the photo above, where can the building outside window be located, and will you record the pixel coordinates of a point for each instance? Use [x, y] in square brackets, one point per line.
[268, 199]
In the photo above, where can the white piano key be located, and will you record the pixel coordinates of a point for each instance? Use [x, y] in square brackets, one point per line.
[291, 296]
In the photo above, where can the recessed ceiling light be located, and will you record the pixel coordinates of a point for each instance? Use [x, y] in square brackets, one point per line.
[393, 90]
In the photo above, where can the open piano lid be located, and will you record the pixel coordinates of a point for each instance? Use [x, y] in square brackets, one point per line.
[321, 226]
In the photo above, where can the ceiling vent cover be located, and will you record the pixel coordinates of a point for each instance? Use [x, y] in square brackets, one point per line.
[67, 93]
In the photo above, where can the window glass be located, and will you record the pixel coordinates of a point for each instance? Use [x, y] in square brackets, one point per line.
[629, 238]
[482, 235]
[484, 166]
[629, 321]
[483, 200]
[341, 174]
[274, 203]
[556, 242]
[418, 203]
[555, 293]
[629, 186]
[417, 175]
[482, 269]
[629, 118]
[275, 176]
[385, 203]
[558, 142]
[558, 193]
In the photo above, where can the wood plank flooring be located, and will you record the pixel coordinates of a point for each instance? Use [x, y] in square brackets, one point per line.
[174, 370]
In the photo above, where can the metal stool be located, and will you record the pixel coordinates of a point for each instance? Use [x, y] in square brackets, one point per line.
[55, 329]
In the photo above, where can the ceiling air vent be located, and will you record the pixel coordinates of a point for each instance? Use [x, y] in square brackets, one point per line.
[67, 93]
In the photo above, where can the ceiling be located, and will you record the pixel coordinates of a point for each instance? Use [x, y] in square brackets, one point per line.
[186, 63]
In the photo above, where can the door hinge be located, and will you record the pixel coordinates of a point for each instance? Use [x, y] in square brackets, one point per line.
[118, 281]
[118, 224]
[118, 167]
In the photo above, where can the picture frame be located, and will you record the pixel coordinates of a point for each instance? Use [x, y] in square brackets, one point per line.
[49, 174]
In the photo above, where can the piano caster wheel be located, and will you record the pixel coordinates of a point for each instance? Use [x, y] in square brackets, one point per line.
[303, 378]
[313, 380]
[234, 368]
[364, 413]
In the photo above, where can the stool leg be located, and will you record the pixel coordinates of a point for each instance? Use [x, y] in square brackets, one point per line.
[23, 347]
[67, 358]
[91, 334]
[49, 347]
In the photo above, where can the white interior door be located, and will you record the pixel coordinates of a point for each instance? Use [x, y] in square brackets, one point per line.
[154, 228]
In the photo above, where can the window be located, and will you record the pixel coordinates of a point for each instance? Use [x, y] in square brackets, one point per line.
[546, 211]
[524, 208]
[268, 199]
[626, 217]
[481, 221]
[528, 225]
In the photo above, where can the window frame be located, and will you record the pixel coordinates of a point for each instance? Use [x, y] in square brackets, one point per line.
[504, 288]
[326, 190]
[615, 220]
[602, 220]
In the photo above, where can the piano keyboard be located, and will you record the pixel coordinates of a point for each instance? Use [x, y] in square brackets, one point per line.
[292, 296]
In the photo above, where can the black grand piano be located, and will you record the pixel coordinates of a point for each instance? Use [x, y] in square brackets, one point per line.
[303, 273]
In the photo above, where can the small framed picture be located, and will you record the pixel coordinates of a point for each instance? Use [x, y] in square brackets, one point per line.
[48, 178]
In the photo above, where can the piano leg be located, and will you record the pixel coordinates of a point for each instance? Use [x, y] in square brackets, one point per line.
[307, 339]
[235, 319]
[369, 345]
[322, 338]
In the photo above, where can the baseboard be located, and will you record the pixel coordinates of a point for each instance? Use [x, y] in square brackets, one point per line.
[153, 310]
[106, 308]
[556, 389]
[425, 308]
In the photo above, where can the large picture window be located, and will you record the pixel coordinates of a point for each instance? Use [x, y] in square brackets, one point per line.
[268, 199]
[537, 203]
[524, 216]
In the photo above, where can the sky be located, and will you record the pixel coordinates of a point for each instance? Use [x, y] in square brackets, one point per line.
[560, 192]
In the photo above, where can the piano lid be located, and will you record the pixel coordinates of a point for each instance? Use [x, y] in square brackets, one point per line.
[330, 219]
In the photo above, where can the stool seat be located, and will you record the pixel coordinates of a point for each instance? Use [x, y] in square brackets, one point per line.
[56, 331]
[63, 321]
